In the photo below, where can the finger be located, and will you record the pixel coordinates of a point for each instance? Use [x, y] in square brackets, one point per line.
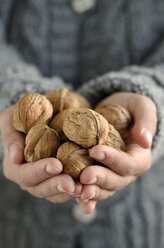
[30, 174]
[145, 120]
[52, 186]
[88, 207]
[59, 198]
[64, 197]
[104, 178]
[93, 192]
[77, 191]
[13, 140]
[134, 161]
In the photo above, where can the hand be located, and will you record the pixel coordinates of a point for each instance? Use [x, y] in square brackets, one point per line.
[42, 178]
[122, 167]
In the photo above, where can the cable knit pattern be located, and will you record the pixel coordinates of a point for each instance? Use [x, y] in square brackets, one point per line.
[44, 45]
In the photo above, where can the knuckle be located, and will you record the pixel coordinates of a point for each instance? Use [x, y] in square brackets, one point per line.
[115, 161]
[105, 182]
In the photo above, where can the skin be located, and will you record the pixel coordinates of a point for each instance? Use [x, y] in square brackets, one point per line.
[34, 177]
[122, 167]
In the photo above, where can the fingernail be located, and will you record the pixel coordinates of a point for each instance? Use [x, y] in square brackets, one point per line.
[98, 155]
[93, 180]
[147, 134]
[60, 189]
[73, 194]
[79, 189]
[89, 198]
[52, 169]
[13, 150]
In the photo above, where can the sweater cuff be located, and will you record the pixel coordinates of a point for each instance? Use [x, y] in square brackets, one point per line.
[128, 81]
[20, 80]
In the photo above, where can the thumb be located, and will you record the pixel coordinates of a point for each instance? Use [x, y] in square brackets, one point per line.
[13, 141]
[144, 114]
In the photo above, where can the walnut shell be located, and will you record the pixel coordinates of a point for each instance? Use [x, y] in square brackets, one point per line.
[30, 110]
[114, 139]
[74, 159]
[85, 127]
[57, 124]
[117, 116]
[62, 99]
[41, 142]
[83, 102]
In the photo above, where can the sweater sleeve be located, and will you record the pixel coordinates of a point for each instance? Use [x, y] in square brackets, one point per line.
[18, 78]
[142, 80]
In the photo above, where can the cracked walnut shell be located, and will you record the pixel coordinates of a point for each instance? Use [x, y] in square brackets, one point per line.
[85, 127]
[30, 110]
[41, 142]
[62, 99]
[117, 116]
[74, 159]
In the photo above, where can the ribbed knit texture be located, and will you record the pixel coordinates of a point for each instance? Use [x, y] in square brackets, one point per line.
[52, 46]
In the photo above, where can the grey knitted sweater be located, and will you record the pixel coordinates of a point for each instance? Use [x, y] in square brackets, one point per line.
[114, 46]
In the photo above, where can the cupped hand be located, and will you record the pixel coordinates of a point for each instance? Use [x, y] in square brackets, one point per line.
[42, 178]
[122, 168]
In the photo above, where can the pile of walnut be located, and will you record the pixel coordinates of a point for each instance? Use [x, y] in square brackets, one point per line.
[62, 124]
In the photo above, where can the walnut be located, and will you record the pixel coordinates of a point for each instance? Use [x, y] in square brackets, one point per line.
[74, 159]
[57, 124]
[83, 102]
[114, 139]
[41, 142]
[117, 116]
[30, 110]
[63, 99]
[85, 127]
